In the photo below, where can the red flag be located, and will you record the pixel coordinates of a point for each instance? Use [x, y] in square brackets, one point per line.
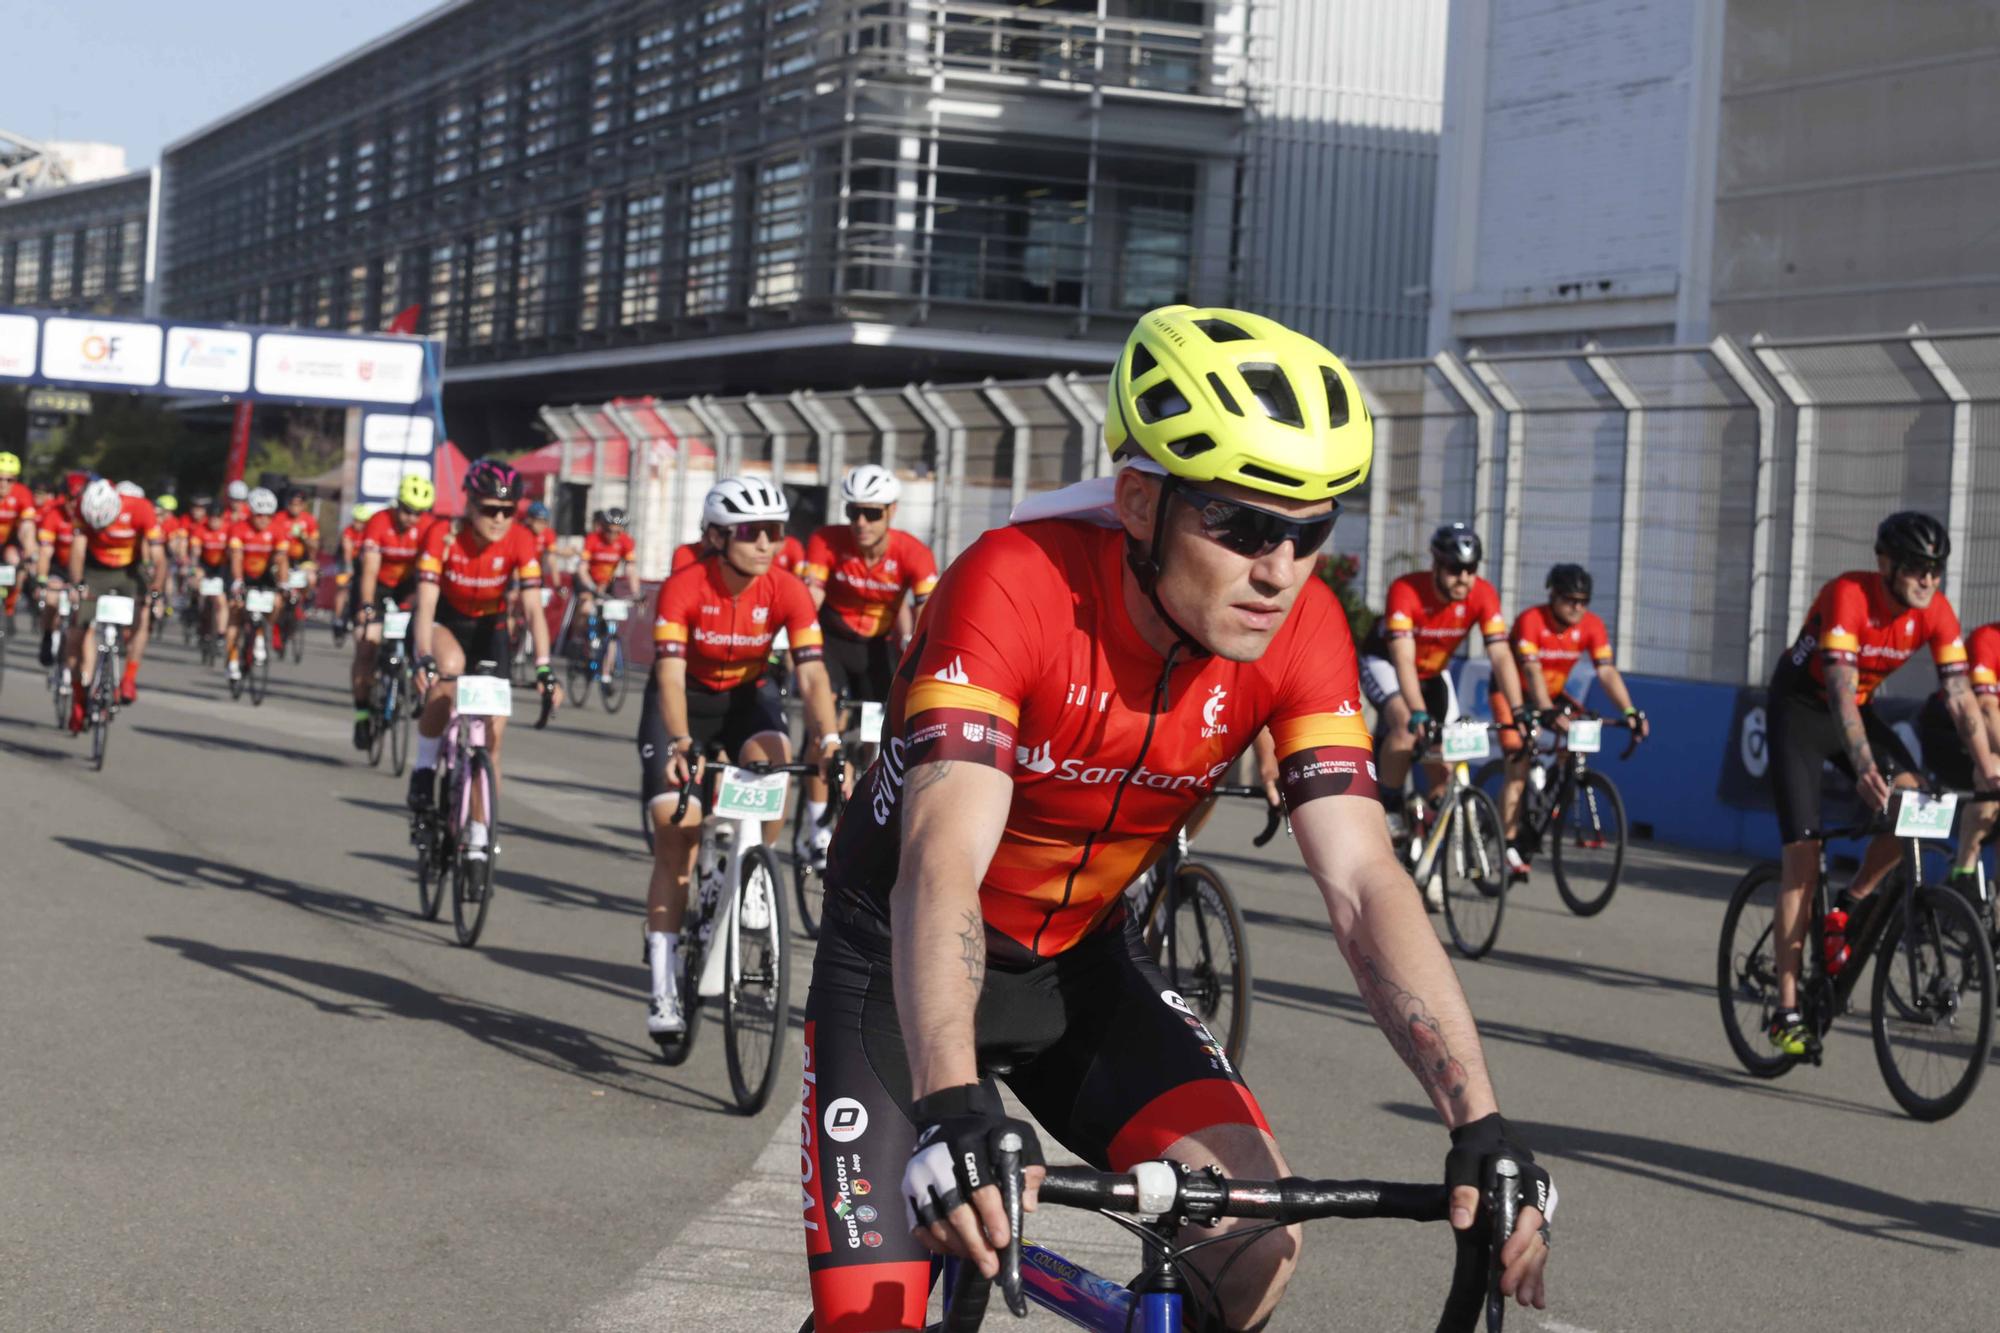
[406, 321]
[239, 443]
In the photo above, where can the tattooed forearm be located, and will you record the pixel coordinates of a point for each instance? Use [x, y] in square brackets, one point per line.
[1966, 715]
[1412, 1030]
[926, 776]
[1842, 682]
[972, 950]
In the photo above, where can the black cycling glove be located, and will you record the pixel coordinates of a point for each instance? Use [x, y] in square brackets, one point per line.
[1478, 1142]
[957, 1131]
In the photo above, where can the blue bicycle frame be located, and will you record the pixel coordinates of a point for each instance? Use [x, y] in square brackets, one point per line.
[1084, 1298]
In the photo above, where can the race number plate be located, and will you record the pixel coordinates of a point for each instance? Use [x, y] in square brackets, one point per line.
[871, 724]
[1921, 816]
[7, 576]
[260, 601]
[114, 610]
[395, 625]
[1586, 736]
[1465, 742]
[485, 696]
[297, 579]
[615, 611]
[211, 587]
[741, 795]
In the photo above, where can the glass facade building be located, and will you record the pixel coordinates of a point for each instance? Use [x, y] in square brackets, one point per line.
[79, 248]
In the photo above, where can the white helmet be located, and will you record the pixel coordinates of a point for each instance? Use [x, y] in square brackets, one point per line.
[870, 484]
[100, 504]
[237, 490]
[133, 489]
[744, 500]
[262, 501]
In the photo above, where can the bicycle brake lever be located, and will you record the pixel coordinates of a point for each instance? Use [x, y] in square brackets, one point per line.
[1007, 1161]
[1503, 1195]
[1270, 827]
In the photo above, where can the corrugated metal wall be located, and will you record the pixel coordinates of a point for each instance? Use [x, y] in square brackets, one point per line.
[1343, 169]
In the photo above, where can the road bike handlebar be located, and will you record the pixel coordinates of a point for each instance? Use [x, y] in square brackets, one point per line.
[836, 773]
[1272, 820]
[1201, 1197]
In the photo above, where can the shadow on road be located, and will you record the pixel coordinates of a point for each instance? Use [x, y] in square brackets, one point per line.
[1751, 1180]
[1602, 974]
[513, 829]
[555, 893]
[1596, 1053]
[376, 995]
[236, 743]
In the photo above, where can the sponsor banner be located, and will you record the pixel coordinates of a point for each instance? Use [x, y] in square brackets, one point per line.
[215, 360]
[381, 477]
[391, 433]
[17, 347]
[102, 351]
[358, 370]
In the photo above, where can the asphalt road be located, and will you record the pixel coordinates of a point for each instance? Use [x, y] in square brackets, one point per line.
[244, 1088]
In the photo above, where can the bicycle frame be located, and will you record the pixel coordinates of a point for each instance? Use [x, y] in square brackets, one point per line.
[1084, 1298]
[721, 839]
[1460, 776]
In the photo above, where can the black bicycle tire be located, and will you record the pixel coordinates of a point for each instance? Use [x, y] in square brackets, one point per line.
[295, 639]
[1945, 903]
[753, 1094]
[399, 727]
[1463, 939]
[100, 709]
[674, 1050]
[807, 887]
[468, 912]
[1236, 1036]
[577, 679]
[378, 728]
[431, 874]
[1577, 902]
[260, 671]
[612, 691]
[1757, 1061]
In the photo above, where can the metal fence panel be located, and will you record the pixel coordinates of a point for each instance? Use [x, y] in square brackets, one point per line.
[1426, 449]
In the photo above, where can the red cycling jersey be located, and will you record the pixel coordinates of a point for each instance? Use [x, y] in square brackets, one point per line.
[398, 546]
[789, 557]
[17, 506]
[727, 639]
[210, 541]
[1417, 610]
[602, 555]
[1855, 622]
[260, 546]
[1027, 661]
[1982, 651]
[302, 526]
[865, 596]
[121, 543]
[471, 574]
[54, 532]
[1543, 644]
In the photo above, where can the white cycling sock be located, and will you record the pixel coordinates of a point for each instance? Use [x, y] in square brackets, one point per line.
[427, 750]
[815, 811]
[660, 954]
[475, 833]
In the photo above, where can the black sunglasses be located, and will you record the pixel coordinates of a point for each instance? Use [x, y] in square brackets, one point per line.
[750, 532]
[1249, 530]
[496, 511]
[872, 513]
[1924, 569]
[1449, 568]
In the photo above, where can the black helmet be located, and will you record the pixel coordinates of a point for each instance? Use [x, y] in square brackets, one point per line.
[1908, 537]
[614, 516]
[597, 518]
[1569, 581]
[1457, 544]
[492, 480]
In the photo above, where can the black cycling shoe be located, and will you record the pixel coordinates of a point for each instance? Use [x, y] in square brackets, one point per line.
[364, 730]
[423, 785]
[48, 653]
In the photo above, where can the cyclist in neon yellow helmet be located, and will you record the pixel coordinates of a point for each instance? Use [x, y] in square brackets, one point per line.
[1080, 680]
[416, 494]
[17, 526]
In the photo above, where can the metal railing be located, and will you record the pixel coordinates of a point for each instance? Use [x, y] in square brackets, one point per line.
[1710, 489]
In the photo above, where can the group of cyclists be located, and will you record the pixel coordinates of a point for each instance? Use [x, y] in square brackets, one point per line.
[1058, 702]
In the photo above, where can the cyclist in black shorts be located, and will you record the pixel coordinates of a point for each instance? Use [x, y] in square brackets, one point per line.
[1950, 762]
[1863, 625]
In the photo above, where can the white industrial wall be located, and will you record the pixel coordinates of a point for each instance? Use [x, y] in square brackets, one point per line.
[1576, 170]
[1339, 199]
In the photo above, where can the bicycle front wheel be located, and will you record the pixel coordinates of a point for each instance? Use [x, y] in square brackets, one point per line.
[260, 667]
[808, 880]
[1473, 865]
[100, 709]
[754, 1013]
[472, 877]
[402, 709]
[577, 683]
[378, 723]
[431, 870]
[295, 638]
[1207, 955]
[1746, 972]
[1933, 1050]
[1587, 843]
[613, 684]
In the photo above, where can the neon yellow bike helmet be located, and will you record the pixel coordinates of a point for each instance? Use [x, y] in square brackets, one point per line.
[10, 465]
[361, 513]
[416, 493]
[169, 503]
[1225, 395]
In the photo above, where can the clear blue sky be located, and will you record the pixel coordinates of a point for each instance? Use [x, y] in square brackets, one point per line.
[141, 74]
